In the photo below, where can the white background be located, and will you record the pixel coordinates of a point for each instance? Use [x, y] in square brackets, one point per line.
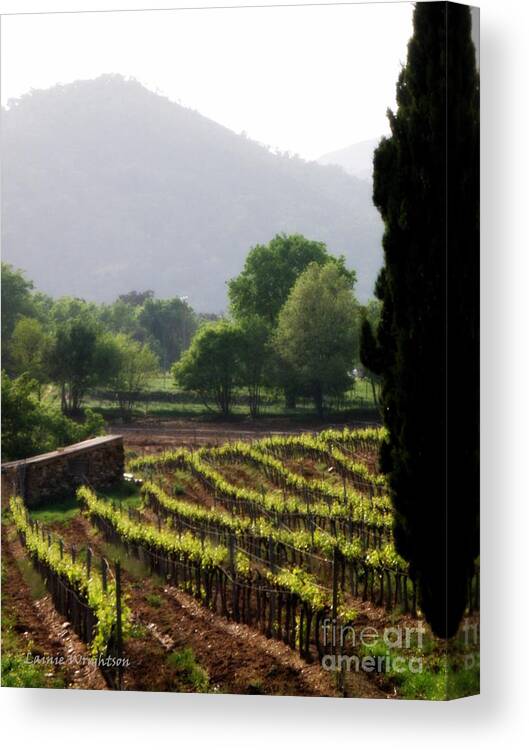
[500, 716]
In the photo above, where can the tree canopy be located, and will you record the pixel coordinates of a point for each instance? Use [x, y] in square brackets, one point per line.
[317, 332]
[16, 302]
[270, 271]
[30, 427]
[28, 348]
[211, 365]
[133, 364]
[77, 359]
[170, 325]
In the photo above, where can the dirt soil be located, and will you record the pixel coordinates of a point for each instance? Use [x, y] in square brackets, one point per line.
[42, 627]
[150, 435]
[238, 659]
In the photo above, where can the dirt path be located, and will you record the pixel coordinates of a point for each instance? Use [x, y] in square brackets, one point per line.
[42, 628]
[253, 654]
[151, 435]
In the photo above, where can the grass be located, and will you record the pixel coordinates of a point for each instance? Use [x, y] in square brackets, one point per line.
[180, 410]
[63, 510]
[124, 494]
[188, 671]
[60, 510]
[439, 678]
[33, 579]
[255, 687]
[172, 403]
[137, 630]
[17, 672]
[155, 600]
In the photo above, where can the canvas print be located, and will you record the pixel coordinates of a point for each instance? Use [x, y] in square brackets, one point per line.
[240, 351]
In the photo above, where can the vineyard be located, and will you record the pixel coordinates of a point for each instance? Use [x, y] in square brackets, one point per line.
[283, 544]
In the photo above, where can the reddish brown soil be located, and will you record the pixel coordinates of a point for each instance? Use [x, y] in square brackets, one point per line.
[41, 628]
[152, 435]
[237, 658]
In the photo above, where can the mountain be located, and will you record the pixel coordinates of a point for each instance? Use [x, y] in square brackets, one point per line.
[108, 187]
[357, 159]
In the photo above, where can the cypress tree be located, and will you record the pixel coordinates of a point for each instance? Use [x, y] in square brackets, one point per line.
[426, 187]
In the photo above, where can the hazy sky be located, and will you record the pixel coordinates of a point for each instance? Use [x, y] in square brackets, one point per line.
[307, 79]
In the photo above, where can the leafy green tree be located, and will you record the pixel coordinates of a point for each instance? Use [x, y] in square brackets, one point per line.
[262, 288]
[170, 324]
[211, 366]
[27, 350]
[270, 271]
[120, 317]
[66, 309]
[370, 353]
[30, 427]
[134, 365]
[136, 299]
[430, 283]
[16, 303]
[78, 358]
[254, 358]
[42, 305]
[317, 332]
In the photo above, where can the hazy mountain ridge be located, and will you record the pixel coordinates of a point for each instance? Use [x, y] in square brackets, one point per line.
[107, 187]
[356, 159]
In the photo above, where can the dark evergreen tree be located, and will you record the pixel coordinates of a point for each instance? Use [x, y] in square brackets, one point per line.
[426, 187]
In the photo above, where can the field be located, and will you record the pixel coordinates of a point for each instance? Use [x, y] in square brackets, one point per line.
[161, 399]
[258, 565]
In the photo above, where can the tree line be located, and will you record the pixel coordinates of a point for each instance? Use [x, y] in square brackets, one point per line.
[293, 327]
[75, 346]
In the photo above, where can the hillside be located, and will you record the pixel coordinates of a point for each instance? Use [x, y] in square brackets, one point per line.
[357, 159]
[108, 187]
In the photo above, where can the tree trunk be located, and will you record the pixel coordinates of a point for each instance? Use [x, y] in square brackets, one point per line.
[290, 397]
[318, 400]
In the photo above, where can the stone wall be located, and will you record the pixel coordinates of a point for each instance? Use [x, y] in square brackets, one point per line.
[98, 462]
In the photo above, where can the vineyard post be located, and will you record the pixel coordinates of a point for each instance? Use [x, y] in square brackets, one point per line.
[234, 591]
[335, 582]
[337, 633]
[119, 629]
[271, 554]
[88, 561]
[272, 558]
[103, 574]
[232, 553]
